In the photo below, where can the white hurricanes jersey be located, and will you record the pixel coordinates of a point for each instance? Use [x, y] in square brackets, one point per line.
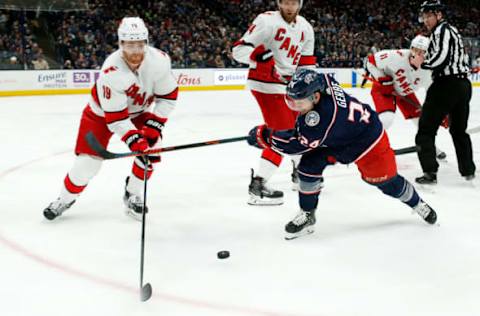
[292, 46]
[121, 94]
[395, 63]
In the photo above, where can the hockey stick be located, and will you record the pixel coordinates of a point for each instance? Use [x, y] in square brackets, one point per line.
[105, 154]
[412, 149]
[145, 290]
[405, 150]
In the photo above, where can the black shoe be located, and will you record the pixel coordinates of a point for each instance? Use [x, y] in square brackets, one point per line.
[427, 178]
[55, 209]
[426, 212]
[441, 155]
[300, 225]
[260, 194]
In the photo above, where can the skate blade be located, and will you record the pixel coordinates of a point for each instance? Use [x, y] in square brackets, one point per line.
[132, 214]
[306, 231]
[253, 200]
[428, 188]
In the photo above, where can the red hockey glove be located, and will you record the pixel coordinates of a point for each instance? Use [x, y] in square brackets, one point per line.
[386, 85]
[260, 137]
[152, 129]
[413, 100]
[265, 70]
[135, 140]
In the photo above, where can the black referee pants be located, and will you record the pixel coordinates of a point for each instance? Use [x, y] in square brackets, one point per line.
[447, 95]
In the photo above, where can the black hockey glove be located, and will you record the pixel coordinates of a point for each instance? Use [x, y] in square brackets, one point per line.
[260, 137]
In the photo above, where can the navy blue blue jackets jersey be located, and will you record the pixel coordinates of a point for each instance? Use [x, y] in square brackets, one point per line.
[340, 123]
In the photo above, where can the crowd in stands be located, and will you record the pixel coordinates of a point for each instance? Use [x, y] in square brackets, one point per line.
[201, 33]
[19, 48]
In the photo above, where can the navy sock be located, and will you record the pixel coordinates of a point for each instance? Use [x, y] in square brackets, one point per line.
[401, 189]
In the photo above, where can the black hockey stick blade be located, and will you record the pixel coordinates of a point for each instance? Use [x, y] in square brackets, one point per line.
[145, 292]
[105, 154]
[97, 147]
[406, 150]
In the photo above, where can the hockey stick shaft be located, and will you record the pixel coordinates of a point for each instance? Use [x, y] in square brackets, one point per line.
[145, 290]
[405, 150]
[105, 154]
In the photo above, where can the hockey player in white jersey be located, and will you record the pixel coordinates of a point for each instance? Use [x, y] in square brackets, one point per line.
[132, 98]
[275, 44]
[396, 75]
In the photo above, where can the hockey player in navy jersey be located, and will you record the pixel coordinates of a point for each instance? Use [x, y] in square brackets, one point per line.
[334, 127]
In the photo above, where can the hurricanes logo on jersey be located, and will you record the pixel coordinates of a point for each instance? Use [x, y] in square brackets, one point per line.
[140, 99]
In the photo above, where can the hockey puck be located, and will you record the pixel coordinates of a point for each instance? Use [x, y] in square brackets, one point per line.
[224, 254]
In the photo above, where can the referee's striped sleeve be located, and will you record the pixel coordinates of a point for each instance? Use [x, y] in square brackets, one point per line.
[442, 52]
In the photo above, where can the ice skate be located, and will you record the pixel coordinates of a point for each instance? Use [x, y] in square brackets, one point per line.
[56, 208]
[133, 203]
[301, 225]
[426, 212]
[260, 194]
[427, 178]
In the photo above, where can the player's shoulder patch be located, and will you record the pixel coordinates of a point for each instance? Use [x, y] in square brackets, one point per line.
[115, 77]
[312, 118]
[109, 73]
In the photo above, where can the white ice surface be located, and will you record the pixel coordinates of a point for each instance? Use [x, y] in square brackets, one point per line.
[369, 256]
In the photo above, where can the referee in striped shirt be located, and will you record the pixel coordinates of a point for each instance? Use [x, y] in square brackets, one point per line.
[449, 94]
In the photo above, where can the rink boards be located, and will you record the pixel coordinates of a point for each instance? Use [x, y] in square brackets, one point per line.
[79, 81]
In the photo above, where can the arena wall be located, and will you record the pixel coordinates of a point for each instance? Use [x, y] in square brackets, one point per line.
[51, 82]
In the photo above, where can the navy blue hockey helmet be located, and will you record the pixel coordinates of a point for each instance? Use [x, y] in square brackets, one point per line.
[304, 83]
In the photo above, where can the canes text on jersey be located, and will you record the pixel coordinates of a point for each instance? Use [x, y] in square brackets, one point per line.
[293, 50]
